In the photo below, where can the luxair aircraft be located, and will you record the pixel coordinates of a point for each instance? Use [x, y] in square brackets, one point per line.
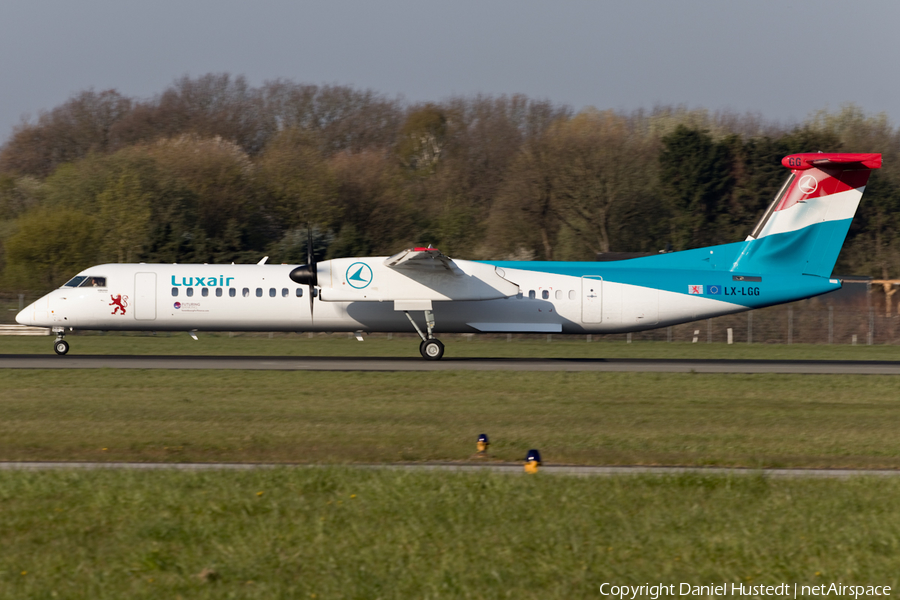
[788, 256]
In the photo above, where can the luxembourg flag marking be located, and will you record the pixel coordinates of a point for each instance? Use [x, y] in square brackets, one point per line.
[695, 289]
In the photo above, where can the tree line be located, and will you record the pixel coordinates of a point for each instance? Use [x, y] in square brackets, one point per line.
[215, 170]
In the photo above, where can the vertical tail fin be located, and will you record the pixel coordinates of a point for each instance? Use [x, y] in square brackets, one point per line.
[804, 228]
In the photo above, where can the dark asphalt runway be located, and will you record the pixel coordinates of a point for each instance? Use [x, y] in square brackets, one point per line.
[323, 363]
[511, 468]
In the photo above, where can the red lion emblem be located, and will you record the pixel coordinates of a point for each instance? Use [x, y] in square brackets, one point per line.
[120, 302]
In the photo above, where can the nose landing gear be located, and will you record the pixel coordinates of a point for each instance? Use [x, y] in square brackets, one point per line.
[60, 346]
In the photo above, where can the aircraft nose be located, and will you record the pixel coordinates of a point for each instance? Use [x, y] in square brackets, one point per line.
[26, 315]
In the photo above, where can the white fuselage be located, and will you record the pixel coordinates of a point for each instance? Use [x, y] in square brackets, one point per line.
[161, 297]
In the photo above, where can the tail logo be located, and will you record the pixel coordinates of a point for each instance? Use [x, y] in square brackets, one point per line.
[119, 302]
[808, 184]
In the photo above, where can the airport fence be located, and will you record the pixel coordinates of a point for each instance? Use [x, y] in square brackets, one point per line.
[790, 324]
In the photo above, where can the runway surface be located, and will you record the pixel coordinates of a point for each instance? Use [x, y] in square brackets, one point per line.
[510, 468]
[323, 363]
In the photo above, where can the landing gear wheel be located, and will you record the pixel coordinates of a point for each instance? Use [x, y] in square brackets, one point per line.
[61, 347]
[431, 349]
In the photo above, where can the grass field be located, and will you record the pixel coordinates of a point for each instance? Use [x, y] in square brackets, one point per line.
[341, 533]
[337, 532]
[322, 417]
[458, 346]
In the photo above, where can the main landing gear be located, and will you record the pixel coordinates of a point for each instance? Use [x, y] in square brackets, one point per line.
[60, 346]
[431, 348]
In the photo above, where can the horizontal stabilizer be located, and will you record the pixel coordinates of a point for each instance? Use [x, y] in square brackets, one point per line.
[821, 160]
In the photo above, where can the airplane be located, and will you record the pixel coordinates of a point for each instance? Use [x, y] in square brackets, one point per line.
[789, 255]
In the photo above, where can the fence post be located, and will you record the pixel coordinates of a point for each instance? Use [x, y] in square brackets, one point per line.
[22, 302]
[830, 324]
[750, 327]
[669, 334]
[871, 313]
[790, 324]
[709, 331]
[870, 341]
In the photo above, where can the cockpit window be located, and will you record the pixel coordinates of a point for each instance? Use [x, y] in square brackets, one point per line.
[75, 281]
[93, 281]
[86, 281]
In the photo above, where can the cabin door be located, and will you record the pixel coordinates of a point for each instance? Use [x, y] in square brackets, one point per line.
[591, 299]
[145, 296]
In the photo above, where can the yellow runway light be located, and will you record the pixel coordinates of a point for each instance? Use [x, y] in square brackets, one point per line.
[532, 461]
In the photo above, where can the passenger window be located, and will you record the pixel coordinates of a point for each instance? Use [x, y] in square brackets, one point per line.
[218, 292]
[299, 292]
[284, 292]
[519, 296]
[272, 292]
[175, 292]
[259, 292]
[204, 292]
[232, 292]
[531, 295]
[571, 294]
[545, 294]
[559, 294]
[189, 292]
[246, 292]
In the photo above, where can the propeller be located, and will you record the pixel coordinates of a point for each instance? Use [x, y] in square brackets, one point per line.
[307, 274]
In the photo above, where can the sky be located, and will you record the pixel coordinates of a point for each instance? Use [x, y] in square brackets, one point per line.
[782, 60]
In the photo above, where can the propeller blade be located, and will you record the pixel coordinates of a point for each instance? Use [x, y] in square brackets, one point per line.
[308, 274]
[311, 261]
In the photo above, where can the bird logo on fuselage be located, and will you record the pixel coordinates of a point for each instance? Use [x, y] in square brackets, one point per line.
[359, 275]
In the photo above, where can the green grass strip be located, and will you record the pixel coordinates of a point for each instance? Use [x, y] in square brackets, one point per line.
[578, 418]
[345, 533]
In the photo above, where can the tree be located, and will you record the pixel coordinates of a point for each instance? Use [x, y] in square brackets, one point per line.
[299, 186]
[378, 211]
[49, 246]
[603, 171]
[422, 138]
[695, 180]
[523, 221]
[230, 220]
[83, 124]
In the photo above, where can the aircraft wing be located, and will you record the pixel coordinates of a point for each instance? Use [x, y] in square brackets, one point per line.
[425, 259]
[415, 274]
